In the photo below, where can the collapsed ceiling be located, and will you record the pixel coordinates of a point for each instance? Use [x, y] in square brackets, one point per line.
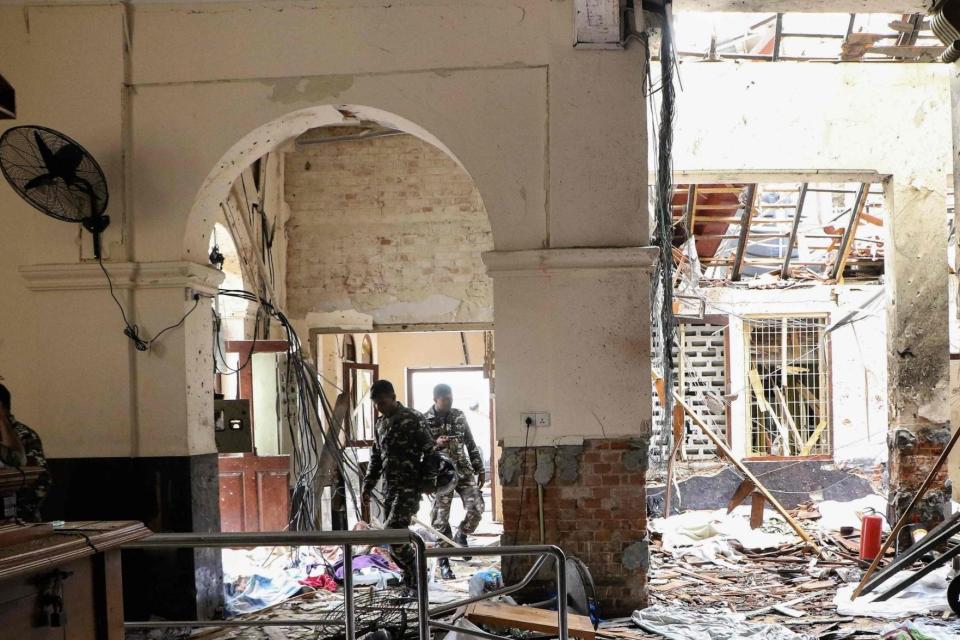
[809, 231]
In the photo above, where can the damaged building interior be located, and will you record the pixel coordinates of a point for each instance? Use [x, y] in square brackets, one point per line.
[503, 319]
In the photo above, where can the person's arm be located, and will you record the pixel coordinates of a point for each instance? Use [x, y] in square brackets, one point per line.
[427, 446]
[374, 470]
[11, 449]
[476, 456]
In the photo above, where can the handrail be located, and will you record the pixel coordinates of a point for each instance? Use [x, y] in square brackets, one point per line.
[349, 539]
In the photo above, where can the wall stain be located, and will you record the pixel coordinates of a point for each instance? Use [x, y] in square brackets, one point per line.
[317, 89]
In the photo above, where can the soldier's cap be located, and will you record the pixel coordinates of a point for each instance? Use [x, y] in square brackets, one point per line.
[382, 388]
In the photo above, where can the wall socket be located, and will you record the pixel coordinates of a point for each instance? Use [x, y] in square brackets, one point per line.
[535, 419]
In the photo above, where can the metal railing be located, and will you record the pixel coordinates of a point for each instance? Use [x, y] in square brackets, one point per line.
[349, 539]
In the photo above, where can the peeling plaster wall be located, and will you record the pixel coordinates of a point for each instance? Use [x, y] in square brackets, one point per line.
[392, 228]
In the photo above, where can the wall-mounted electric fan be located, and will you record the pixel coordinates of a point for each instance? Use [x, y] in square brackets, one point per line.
[57, 176]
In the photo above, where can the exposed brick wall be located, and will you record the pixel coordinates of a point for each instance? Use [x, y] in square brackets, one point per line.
[390, 227]
[597, 515]
[912, 456]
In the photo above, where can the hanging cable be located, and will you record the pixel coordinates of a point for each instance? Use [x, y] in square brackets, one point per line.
[132, 331]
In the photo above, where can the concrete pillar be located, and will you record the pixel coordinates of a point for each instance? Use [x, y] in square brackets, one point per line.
[573, 340]
[954, 462]
[917, 341]
[145, 449]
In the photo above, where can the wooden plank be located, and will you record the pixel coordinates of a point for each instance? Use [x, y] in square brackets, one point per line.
[814, 438]
[745, 489]
[505, 616]
[851, 231]
[785, 269]
[722, 448]
[756, 510]
[788, 417]
[690, 212]
[751, 202]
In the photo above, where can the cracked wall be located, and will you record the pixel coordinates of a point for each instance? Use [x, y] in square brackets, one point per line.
[392, 228]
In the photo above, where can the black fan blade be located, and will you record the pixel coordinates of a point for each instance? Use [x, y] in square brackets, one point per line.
[66, 160]
[45, 152]
[39, 181]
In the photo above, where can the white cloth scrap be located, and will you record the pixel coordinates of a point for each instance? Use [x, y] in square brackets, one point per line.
[927, 595]
[676, 623]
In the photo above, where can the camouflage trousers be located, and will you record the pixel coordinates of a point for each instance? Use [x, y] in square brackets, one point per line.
[472, 498]
[400, 506]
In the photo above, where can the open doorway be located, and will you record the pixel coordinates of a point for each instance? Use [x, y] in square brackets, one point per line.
[415, 362]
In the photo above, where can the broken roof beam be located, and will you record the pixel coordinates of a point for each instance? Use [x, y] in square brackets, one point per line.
[751, 201]
[690, 211]
[850, 233]
[792, 242]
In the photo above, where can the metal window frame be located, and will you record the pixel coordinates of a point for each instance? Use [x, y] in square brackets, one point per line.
[349, 539]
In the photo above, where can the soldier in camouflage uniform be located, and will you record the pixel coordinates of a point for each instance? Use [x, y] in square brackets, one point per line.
[449, 428]
[401, 443]
[28, 454]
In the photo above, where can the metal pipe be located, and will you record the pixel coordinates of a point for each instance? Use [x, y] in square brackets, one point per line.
[275, 622]
[453, 606]
[423, 595]
[543, 537]
[561, 595]
[349, 620]
[436, 624]
[268, 539]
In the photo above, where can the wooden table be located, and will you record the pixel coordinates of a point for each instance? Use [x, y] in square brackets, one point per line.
[80, 562]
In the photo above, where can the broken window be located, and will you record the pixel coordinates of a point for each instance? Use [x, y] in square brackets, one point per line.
[788, 386]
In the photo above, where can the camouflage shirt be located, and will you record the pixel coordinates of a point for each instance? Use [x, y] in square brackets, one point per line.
[28, 499]
[454, 425]
[401, 442]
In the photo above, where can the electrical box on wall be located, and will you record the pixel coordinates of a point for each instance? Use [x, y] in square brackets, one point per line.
[599, 24]
[232, 426]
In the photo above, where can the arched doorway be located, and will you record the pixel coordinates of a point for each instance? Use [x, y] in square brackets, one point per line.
[411, 226]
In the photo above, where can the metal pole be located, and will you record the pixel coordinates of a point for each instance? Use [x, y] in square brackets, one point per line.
[423, 595]
[350, 622]
[561, 594]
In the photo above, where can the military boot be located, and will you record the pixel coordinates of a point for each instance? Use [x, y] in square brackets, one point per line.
[461, 539]
[446, 572]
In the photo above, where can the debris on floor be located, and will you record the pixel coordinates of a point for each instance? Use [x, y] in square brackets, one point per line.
[711, 571]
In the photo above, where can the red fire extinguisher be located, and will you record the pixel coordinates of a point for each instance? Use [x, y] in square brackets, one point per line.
[871, 527]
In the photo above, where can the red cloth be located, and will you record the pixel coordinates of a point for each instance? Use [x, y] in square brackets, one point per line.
[320, 582]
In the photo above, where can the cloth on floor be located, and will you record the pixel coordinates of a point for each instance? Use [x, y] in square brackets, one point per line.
[705, 528]
[322, 581]
[677, 623]
[836, 515]
[927, 595]
[485, 581]
[371, 570]
[259, 591]
[919, 630]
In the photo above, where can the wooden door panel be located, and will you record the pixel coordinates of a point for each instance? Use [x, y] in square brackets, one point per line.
[273, 499]
[231, 501]
[254, 492]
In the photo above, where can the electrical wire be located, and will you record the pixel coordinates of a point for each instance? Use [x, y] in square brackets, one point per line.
[132, 331]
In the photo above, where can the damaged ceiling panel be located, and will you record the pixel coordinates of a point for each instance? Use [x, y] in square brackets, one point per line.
[777, 232]
[828, 37]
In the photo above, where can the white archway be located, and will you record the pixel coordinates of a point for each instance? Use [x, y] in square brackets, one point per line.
[271, 137]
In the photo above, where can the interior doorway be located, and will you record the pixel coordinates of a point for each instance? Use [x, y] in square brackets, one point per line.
[415, 361]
